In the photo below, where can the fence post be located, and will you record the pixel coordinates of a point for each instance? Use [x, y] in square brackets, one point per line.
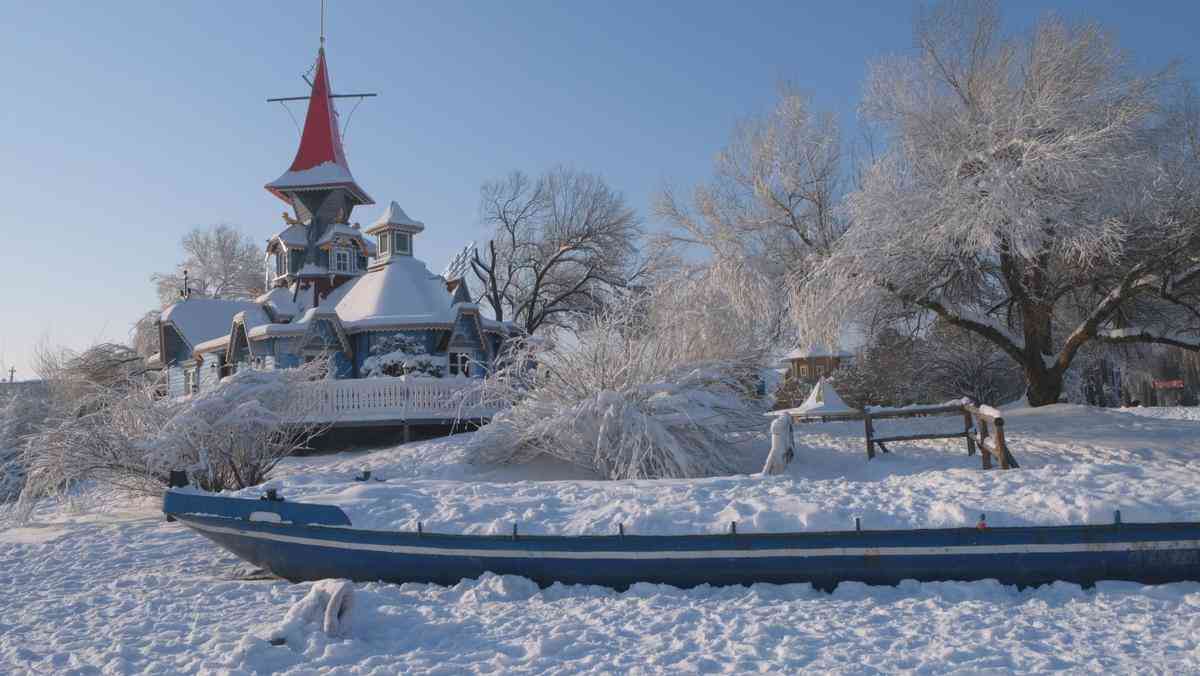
[967, 428]
[777, 459]
[870, 432]
[1006, 459]
[984, 453]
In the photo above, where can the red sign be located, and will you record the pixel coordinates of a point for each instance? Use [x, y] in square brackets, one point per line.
[1168, 384]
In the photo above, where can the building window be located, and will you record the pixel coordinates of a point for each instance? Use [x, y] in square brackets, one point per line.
[281, 263]
[191, 383]
[343, 260]
[403, 243]
[803, 371]
[383, 243]
[460, 364]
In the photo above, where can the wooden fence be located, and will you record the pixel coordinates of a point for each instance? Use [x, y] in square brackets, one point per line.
[983, 429]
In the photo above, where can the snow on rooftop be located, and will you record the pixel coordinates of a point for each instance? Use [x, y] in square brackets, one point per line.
[404, 291]
[293, 235]
[326, 173]
[202, 319]
[823, 400]
[344, 230]
[815, 350]
[280, 302]
[394, 215]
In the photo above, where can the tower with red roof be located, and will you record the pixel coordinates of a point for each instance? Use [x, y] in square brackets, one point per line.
[320, 249]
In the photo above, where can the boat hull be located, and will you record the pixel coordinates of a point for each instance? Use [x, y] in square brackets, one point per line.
[1146, 553]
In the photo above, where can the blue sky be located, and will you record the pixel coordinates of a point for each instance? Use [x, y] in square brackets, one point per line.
[127, 124]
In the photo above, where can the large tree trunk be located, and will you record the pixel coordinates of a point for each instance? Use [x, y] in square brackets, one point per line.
[1043, 386]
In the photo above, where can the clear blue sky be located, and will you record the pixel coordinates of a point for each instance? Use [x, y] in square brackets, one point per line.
[128, 123]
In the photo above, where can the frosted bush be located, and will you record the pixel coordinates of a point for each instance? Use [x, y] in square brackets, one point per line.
[130, 437]
[659, 387]
[400, 355]
[20, 416]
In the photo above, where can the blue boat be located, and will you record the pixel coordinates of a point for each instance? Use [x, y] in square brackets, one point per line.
[302, 542]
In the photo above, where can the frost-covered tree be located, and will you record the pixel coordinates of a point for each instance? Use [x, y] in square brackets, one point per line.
[143, 335]
[559, 246]
[1034, 192]
[775, 190]
[221, 262]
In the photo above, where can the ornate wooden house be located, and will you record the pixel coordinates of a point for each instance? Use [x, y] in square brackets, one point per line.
[400, 339]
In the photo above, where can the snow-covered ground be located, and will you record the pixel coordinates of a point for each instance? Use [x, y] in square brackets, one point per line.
[110, 587]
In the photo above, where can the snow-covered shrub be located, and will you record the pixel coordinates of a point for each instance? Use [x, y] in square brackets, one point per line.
[658, 387]
[400, 355]
[130, 437]
[232, 436]
[21, 414]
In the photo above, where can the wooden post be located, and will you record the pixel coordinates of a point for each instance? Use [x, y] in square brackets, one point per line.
[984, 453]
[967, 431]
[869, 432]
[1006, 459]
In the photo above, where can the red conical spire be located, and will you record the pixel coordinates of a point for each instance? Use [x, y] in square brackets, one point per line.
[320, 141]
[320, 161]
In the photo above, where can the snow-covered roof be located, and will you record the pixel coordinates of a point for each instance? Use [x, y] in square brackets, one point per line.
[344, 230]
[252, 318]
[218, 343]
[203, 319]
[402, 292]
[815, 350]
[823, 400]
[395, 216]
[279, 301]
[324, 175]
[293, 235]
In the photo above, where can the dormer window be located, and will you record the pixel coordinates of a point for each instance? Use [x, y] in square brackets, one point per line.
[344, 260]
[384, 241]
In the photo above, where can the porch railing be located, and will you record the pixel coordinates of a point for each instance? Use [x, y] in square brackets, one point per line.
[392, 399]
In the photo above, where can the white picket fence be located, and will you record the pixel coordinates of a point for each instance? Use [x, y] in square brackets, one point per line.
[392, 399]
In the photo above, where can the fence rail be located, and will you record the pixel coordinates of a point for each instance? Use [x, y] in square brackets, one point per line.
[988, 434]
[392, 399]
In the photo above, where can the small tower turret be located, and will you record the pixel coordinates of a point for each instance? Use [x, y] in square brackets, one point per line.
[394, 232]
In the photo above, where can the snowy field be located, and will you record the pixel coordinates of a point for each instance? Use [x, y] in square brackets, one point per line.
[109, 587]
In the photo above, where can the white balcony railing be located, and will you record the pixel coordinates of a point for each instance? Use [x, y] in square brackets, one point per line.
[392, 399]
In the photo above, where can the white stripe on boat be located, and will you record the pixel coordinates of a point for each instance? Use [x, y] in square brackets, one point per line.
[789, 552]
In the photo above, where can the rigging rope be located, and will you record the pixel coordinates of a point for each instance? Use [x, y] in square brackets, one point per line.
[294, 122]
[350, 116]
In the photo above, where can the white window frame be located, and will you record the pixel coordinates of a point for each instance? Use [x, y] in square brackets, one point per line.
[351, 260]
[402, 238]
[191, 380]
[460, 364]
[385, 243]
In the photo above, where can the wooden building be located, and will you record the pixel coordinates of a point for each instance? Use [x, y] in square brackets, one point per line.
[357, 295]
